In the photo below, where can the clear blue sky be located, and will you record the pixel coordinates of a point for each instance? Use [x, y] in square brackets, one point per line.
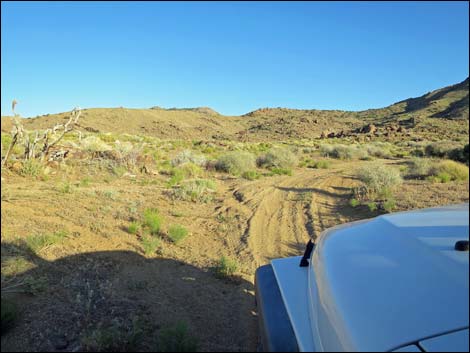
[233, 57]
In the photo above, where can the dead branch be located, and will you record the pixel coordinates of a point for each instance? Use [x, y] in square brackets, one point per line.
[67, 127]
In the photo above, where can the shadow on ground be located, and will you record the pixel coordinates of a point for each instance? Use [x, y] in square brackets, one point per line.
[122, 301]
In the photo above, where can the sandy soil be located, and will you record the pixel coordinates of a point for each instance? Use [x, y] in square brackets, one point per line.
[99, 274]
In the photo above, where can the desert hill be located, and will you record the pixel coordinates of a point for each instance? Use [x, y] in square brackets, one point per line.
[443, 113]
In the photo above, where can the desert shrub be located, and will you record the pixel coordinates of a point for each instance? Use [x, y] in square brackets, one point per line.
[6, 141]
[102, 339]
[177, 233]
[236, 162]
[439, 149]
[134, 227]
[460, 154]
[322, 164]
[176, 339]
[439, 178]
[308, 150]
[115, 337]
[389, 205]
[360, 153]
[39, 242]
[419, 167]
[251, 175]
[110, 194]
[85, 182]
[107, 137]
[31, 167]
[118, 170]
[187, 156]
[196, 190]
[127, 153]
[280, 171]
[326, 150]
[307, 162]
[18, 149]
[153, 220]
[379, 150]
[225, 268]
[9, 315]
[191, 170]
[150, 244]
[177, 176]
[450, 170]
[66, 187]
[354, 202]
[379, 179]
[338, 151]
[278, 157]
[94, 144]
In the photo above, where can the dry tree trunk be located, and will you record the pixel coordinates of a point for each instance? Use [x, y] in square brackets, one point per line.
[17, 133]
[30, 143]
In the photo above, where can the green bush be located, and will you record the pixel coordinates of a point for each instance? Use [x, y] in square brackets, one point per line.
[114, 337]
[150, 244]
[134, 227]
[389, 205]
[85, 182]
[39, 242]
[379, 150]
[449, 169]
[460, 154]
[419, 167]
[354, 203]
[236, 162]
[176, 339]
[177, 176]
[439, 149]
[277, 157]
[153, 220]
[177, 233]
[338, 151]
[251, 175]
[31, 167]
[225, 268]
[191, 170]
[379, 179]
[372, 206]
[187, 156]
[281, 171]
[197, 190]
[321, 165]
[66, 187]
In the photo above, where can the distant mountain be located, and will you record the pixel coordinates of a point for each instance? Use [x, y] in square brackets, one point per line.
[449, 102]
[440, 114]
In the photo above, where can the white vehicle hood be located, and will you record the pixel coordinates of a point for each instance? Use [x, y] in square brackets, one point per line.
[390, 282]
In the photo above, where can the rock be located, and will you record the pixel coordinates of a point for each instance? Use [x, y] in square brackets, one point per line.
[331, 135]
[147, 170]
[369, 129]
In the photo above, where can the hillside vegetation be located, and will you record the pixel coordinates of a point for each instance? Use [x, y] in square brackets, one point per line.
[441, 114]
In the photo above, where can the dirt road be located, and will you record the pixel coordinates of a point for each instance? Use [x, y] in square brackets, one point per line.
[283, 212]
